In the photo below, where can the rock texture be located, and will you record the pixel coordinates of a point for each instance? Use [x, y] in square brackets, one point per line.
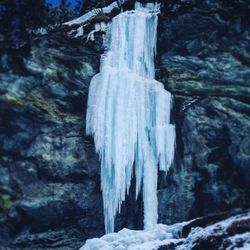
[213, 232]
[220, 232]
[203, 60]
[49, 173]
[49, 170]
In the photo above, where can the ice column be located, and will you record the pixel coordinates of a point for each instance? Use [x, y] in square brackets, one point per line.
[129, 114]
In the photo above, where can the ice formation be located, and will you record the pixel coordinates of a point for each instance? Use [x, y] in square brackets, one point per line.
[126, 239]
[171, 237]
[129, 114]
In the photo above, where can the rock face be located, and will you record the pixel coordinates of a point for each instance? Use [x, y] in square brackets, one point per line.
[49, 170]
[203, 59]
[50, 194]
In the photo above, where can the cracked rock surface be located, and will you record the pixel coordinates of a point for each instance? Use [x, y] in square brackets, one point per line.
[49, 172]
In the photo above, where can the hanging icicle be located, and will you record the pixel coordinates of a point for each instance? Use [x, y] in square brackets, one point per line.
[129, 114]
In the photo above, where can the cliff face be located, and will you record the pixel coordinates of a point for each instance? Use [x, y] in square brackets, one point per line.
[50, 193]
[49, 173]
[204, 61]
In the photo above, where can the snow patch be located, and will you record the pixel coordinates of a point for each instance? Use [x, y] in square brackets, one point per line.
[217, 229]
[171, 236]
[135, 240]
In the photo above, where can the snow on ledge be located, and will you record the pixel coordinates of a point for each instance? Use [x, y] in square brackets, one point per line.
[164, 235]
[137, 240]
[93, 13]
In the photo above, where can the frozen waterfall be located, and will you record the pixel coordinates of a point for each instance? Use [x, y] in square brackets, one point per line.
[129, 114]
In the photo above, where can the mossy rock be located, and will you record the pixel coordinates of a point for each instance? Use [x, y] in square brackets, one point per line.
[5, 202]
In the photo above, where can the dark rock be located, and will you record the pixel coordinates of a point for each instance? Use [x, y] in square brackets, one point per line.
[49, 171]
[203, 61]
[217, 232]
[220, 231]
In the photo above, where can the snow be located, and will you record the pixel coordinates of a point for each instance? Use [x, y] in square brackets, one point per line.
[82, 19]
[129, 114]
[171, 237]
[217, 229]
[79, 32]
[109, 8]
[135, 240]
[91, 14]
[244, 238]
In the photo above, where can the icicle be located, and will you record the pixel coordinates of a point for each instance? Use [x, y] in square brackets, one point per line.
[129, 113]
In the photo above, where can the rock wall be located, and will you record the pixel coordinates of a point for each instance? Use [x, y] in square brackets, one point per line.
[203, 59]
[50, 194]
[49, 172]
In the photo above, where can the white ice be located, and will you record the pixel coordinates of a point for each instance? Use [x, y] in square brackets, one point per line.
[129, 114]
[136, 240]
[169, 236]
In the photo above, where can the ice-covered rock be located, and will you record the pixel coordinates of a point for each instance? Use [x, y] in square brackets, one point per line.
[228, 233]
[131, 239]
